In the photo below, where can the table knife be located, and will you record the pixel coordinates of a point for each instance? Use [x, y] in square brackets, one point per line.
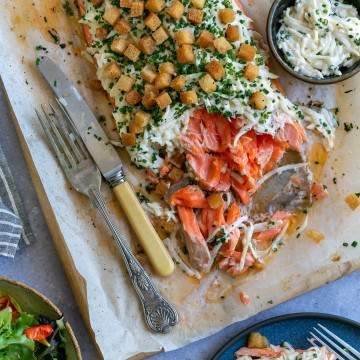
[109, 163]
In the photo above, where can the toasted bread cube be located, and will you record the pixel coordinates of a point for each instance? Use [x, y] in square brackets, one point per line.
[226, 15]
[125, 83]
[140, 120]
[184, 36]
[147, 45]
[178, 83]
[112, 71]
[126, 3]
[176, 174]
[222, 45]
[148, 99]
[188, 97]
[128, 139]
[162, 81]
[167, 67]
[258, 100]
[232, 33]
[160, 35]
[162, 188]
[185, 54]
[97, 3]
[175, 10]
[155, 5]
[246, 52]
[353, 201]
[132, 52]
[133, 97]
[163, 100]
[119, 45]
[148, 73]
[122, 26]
[101, 33]
[152, 21]
[215, 200]
[215, 69]
[195, 16]
[198, 4]
[205, 39]
[111, 15]
[150, 88]
[251, 71]
[207, 83]
[136, 9]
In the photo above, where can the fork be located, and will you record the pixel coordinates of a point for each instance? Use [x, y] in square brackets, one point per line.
[85, 177]
[333, 343]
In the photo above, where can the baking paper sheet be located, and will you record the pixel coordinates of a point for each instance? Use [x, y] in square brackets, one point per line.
[99, 278]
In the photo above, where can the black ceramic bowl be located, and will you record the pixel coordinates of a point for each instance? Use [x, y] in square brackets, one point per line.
[273, 25]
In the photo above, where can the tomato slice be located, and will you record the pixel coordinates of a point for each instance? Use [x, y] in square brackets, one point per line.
[39, 332]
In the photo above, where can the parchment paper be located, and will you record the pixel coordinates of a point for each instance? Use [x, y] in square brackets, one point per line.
[95, 269]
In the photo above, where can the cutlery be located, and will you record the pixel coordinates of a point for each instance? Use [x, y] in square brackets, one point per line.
[108, 162]
[85, 177]
[333, 343]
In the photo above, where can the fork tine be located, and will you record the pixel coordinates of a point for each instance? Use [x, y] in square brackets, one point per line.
[63, 129]
[52, 141]
[326, 345]
[334, 345]
[59, 139]
[71, 124]
[314, 343]
[340, 341]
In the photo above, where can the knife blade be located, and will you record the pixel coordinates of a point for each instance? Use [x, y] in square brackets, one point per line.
[108, 162]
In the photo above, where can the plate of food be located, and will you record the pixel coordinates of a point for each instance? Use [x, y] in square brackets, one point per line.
[32, 327]
[287, 337]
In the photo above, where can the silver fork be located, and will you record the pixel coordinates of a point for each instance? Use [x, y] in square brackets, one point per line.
[333, 343]
[85, 177]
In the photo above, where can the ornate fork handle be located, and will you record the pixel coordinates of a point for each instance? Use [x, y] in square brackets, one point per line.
[160, 315]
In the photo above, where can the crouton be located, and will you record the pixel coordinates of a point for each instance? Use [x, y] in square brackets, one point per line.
[132, 52]
[185, 54]
[160, 35]
[246, 52]
[112, 71]
[125, 83]
[162, 81]
[97, 3]
[175, 10]
[167, 67]
[122, 26]
[251, 71]
[155, 5]
[184, 36]
[140, 120]
[258, 100]
[152, 21]
[126, 3]
[175, 174]
[222, 45]
[111, 15]
[148, 73]
[133, 97]
[188, 97]
[226, 15]
[136, 9]
[119, 45]
[195, 16]
[207, 83]
[215, 69]
[232, 33]
[198, 4]
[205, 39]
[128, 139]
[101, 33]
[148, 99]
[163, 100]
[178, 83]
[150, 88]
[147, 45]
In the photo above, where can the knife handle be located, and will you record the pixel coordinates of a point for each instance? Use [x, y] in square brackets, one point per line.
[147, 236]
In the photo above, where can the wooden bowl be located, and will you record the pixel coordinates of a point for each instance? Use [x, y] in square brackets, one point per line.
[35, 303]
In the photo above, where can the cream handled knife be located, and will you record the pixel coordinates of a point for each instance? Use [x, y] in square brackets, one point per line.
[109, 163]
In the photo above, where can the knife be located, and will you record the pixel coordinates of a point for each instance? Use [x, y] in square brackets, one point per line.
[108, 162]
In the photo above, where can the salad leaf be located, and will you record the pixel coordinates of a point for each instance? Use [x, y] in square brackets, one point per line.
[13, 333]
[17, 352]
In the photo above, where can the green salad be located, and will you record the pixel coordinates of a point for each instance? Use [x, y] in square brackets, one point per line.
[24, 336]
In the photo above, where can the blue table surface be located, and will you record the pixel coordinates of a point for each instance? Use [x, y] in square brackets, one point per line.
[39, 266]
